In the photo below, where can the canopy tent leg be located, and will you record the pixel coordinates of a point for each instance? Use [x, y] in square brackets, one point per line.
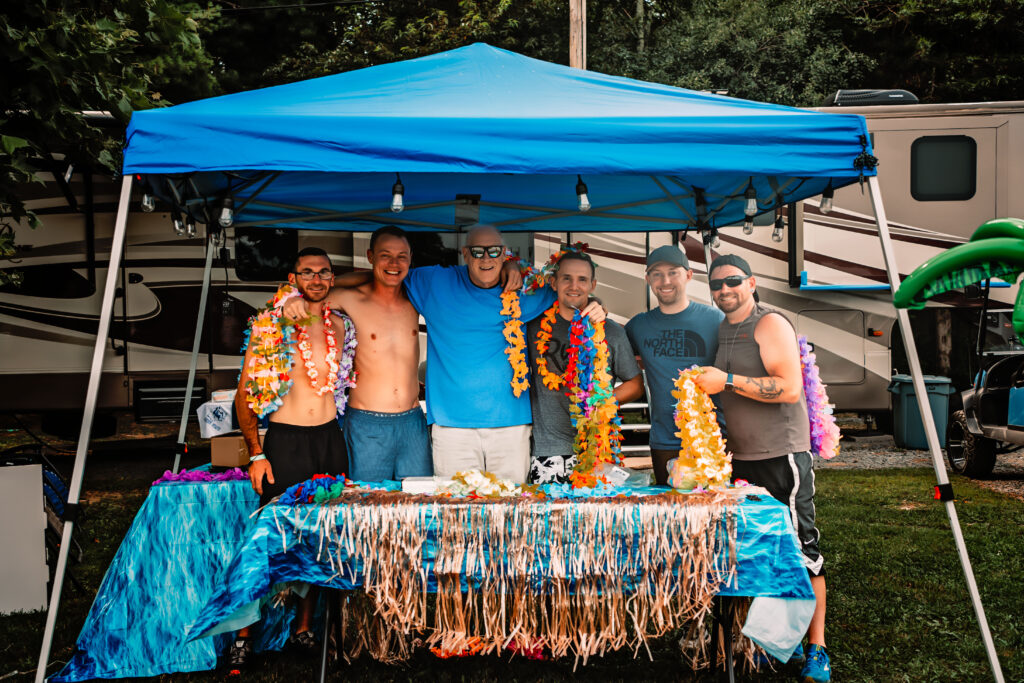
[929, 425]
[185, 408]
[75, 487]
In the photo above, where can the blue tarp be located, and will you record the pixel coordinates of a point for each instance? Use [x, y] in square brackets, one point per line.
[509, 132]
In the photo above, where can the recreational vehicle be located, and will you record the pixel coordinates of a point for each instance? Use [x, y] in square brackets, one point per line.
[944, 169]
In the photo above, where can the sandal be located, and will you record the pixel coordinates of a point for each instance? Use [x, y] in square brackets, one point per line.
[302, 642]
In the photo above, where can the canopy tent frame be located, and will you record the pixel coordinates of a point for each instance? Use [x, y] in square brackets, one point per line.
[786, 155]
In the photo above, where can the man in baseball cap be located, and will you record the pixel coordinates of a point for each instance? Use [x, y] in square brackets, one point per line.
[677, 334]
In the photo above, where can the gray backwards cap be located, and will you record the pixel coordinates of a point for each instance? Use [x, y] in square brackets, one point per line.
[730, 260]
[670, 254]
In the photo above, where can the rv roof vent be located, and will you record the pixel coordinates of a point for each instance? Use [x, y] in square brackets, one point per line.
[867, 98]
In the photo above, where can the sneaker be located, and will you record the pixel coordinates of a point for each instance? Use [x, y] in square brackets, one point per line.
[238, 656]
[302, 642]
[817, 669]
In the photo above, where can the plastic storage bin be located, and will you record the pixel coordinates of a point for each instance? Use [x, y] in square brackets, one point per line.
[907, 426]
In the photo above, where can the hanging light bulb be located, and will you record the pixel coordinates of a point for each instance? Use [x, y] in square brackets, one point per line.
[748, 226]
[751, 196]
[179, 225]
[777, 232]
[397, 192]
[581, 195]
[148, 202]
[226, 218]
[826, 198]
[715, 242]
[190, 227]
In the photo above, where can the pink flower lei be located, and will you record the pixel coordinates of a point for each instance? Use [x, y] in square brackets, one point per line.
[824, 431]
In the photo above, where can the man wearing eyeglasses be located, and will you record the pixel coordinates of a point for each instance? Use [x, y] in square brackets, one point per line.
[678, 334]
[759, 382]
[477, 422]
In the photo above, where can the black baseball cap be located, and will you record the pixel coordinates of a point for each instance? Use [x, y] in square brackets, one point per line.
[731, 260]
[670, 254]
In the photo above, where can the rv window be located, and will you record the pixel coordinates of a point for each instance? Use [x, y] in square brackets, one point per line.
[264, 254]
[943, 168]
[51, 281]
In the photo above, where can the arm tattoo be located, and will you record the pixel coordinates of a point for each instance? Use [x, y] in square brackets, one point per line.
[766, 388]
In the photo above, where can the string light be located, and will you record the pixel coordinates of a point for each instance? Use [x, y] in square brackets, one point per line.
[748, 226]
[179, 225]
[397, 192]
[148, 203]
[779, 226]
[190, 227]
[750, 195]
[826, 198]
[227, 212]
[583, 201]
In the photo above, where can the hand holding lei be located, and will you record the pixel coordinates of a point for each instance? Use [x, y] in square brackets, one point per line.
[703, 461]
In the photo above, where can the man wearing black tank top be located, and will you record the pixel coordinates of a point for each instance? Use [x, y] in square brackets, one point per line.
[759, 383]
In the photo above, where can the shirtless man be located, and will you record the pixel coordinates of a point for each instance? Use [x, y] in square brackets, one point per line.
[385, 430]
[303, 437]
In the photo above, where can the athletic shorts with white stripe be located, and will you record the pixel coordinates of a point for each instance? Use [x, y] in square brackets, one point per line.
[790, 480]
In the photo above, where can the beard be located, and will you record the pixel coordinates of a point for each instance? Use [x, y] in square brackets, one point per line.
[315, 296]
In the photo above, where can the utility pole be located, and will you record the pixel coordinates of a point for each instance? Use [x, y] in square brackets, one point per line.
[578, 34]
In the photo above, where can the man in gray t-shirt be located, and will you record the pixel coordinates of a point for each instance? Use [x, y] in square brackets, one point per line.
[553, 433]
[676, 335]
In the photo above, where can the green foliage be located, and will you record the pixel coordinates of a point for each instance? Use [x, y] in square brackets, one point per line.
[62, 58]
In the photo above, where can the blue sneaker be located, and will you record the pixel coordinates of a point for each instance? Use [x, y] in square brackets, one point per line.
[817, 669]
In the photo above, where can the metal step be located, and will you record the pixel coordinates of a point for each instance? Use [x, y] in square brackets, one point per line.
[636, 428]
[633, 406]
[636, 449]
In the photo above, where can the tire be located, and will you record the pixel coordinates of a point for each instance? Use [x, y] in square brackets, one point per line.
[971, 455]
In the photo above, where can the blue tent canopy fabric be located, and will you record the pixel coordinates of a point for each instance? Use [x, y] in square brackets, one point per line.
[502, 132]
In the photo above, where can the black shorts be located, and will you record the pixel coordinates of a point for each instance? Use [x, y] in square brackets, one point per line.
[790, 480]
[297, 453]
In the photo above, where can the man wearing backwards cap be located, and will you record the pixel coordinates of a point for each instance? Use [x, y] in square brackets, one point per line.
[677, 334]
[758, 380]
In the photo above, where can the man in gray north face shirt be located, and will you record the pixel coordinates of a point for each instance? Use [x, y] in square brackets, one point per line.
[553, 433]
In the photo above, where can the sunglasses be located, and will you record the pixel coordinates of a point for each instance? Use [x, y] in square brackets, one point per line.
[732, 281]
[491, 252]
[325, 274]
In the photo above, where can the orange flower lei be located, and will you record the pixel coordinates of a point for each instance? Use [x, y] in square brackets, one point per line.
[551, 380]
[516, 350]
[703, 461]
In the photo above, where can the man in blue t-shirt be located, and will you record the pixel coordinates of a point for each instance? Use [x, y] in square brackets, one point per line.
[477, 422]
[676, 335]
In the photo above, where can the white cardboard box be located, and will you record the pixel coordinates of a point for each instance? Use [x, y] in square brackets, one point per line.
[23, 560]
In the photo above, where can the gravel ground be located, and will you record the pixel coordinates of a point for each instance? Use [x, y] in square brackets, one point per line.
[861, 450]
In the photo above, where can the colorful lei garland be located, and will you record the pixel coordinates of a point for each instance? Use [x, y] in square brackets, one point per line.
[272, 340]
[320, 488]
[516, 349]
[549, 379]
[592, 406]
[824, 431]
[168, 477]
[703, 462]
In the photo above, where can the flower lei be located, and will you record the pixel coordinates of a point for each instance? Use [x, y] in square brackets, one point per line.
[482, 484]
[272, 342]
[533, 280]
[234, 474]
[320, 488]
[550, 380]
[592, 406]
[703, 462]
[306, 350]
[824, 431]
[516, 350]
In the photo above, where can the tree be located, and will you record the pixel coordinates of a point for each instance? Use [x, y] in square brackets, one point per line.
[66, 57]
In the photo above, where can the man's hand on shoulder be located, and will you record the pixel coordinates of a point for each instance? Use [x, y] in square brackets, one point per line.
[295, 309]
[511, 278]
[259, 470]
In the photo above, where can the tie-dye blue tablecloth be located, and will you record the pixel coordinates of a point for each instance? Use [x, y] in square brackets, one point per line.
[194, 561]
[167, 568]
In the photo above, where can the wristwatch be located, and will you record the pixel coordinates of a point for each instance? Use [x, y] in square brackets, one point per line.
[729, 386]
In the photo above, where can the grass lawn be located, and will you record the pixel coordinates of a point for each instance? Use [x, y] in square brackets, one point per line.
[898, 604]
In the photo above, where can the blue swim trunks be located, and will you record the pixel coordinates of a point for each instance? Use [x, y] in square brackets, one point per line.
[387, 445]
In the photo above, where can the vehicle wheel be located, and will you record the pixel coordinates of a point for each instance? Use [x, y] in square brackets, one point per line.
[969, 454]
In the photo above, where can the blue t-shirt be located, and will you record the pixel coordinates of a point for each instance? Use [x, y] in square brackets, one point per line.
[668, 344]
[468, 374]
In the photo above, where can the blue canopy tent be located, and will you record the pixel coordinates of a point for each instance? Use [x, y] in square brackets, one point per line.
[515, 139]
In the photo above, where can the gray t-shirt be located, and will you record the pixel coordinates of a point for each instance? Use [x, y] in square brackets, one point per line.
[668, 343]
[553, 433]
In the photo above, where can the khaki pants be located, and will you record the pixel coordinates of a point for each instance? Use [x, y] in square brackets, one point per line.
[502, 451]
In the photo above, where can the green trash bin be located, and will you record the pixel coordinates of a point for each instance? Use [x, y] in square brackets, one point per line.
[907, 426]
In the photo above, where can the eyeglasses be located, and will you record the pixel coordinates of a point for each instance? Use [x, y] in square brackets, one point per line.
[325, 274]
[732, 281]
[492, 251]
